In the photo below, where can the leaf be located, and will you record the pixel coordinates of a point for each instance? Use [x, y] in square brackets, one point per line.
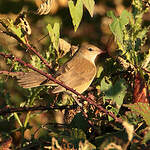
[115, 92]
[89, 4]
[129, 129]
[76, 12]
[54, 34]
[16, 30]
[118, 24]
[115, 27]
[64, 46]
[124, 18]
[99, 71]
[111, 15]
[143, 109]
[86, 145]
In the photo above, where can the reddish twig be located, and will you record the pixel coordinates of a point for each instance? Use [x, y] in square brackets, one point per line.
[147, 71]
[49, 76]
[8, 110]
[28, 46]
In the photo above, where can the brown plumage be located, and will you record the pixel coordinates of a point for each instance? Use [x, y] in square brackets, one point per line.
[77, 73]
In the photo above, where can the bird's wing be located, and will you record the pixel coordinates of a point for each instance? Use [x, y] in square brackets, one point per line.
[30, 79]
[76, 72]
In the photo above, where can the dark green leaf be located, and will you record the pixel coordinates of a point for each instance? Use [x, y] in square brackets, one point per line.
[115, 92]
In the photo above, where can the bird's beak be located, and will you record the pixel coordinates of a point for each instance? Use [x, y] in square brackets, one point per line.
[101, 52]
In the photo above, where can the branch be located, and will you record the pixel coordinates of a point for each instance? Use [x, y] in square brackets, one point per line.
[28, 46]
[147, 71]
[5, 111]
[49, 76]
[38, 54]
[125, 64]
[14, 36]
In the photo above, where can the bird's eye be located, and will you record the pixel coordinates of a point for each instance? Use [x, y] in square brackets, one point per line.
[90, 49]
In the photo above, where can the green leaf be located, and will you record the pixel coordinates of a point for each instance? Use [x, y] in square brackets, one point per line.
[16, 30]
[89, 4]
[99, 71]
[116, 29]
[54, 34]
[143, 109]
[124, 18]
[115, 92]
[76, 12]
[36, 62]
[111, 15]
[142, 34]
[118, 24]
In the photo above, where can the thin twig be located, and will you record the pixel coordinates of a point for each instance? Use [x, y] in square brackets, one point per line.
[42, 37]
[147, 71]
[38, 54]
[49, 76]
[125, 64]
[28, 47]
[8, 110]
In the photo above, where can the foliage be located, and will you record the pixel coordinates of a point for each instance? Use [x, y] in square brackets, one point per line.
[116, 113]
[141, 109]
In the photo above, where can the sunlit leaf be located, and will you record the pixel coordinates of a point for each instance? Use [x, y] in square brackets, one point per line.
[76, 12]
[124, 18]
[129, 129]
[64, 46]
[16, 30]
[89, 4]
[118, 24]
[54, 34]
[86, 145]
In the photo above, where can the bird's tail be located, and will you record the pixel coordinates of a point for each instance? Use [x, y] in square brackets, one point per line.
[32, 79]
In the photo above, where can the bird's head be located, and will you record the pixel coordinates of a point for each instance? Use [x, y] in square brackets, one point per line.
[90, 51]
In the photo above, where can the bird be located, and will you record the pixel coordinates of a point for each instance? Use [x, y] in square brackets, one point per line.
[77, 73]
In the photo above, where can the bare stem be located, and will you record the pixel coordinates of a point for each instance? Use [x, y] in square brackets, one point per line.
[28, 47]
[8, 110]
[38, 54]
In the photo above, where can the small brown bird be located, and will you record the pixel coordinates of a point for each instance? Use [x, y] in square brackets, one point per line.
[78, 73]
